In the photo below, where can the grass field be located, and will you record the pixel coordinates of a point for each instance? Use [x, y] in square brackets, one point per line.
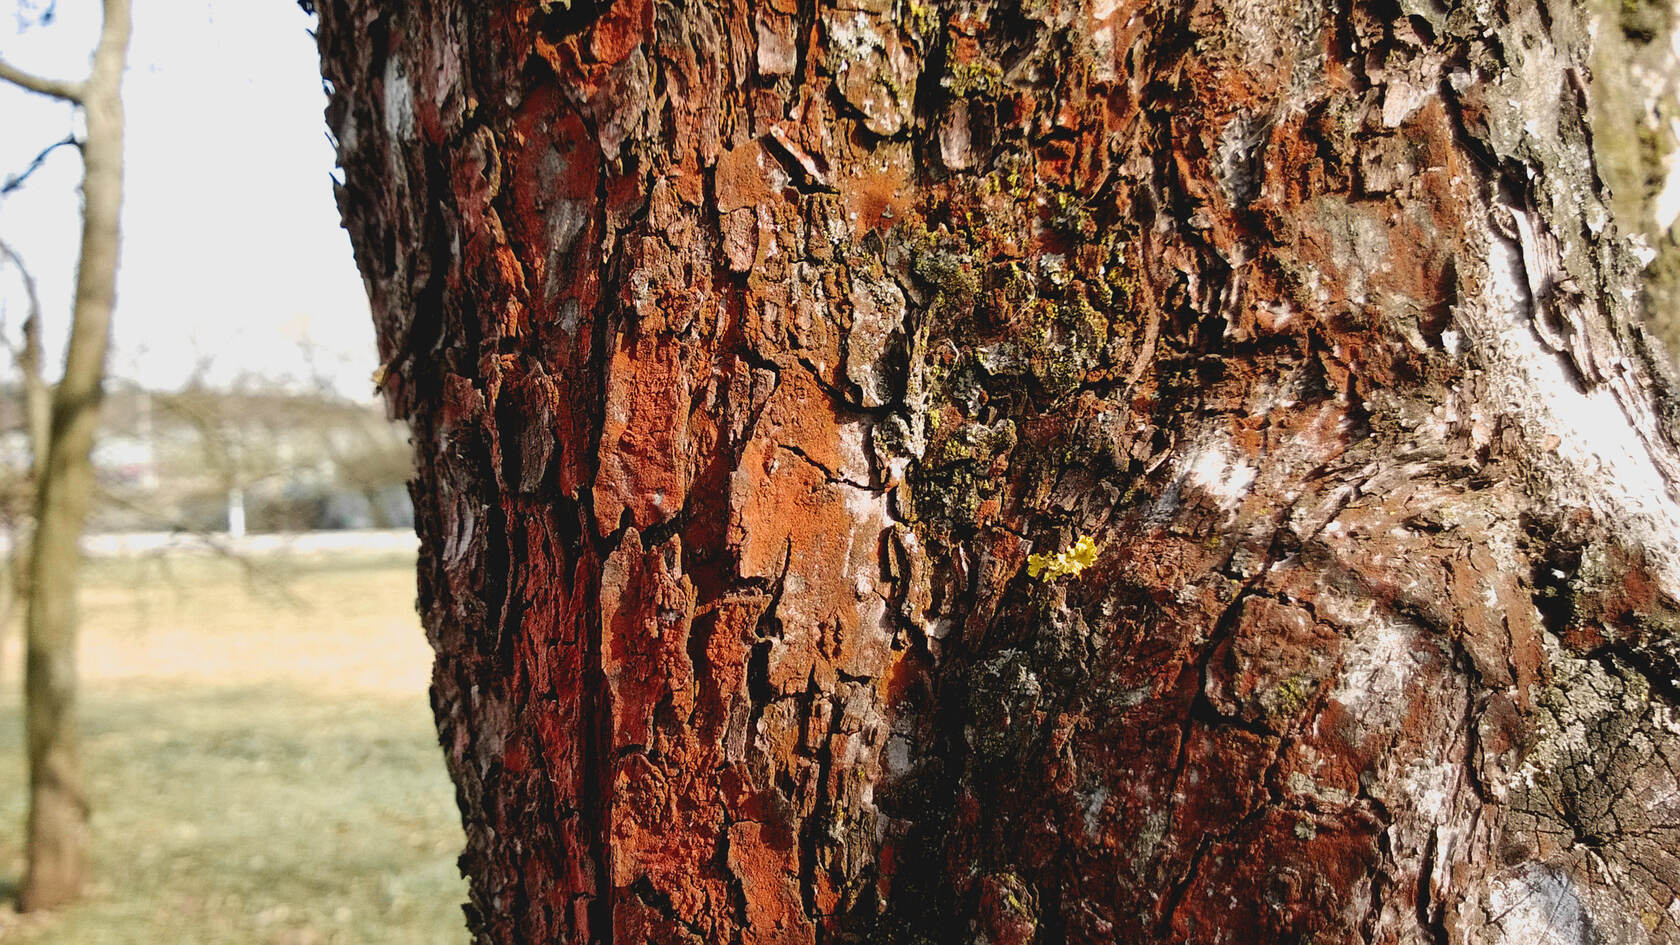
[260, 756]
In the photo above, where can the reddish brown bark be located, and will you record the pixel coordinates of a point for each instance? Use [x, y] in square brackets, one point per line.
[751, 350]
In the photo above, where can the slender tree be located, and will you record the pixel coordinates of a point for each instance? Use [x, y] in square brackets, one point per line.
[57, 844]
[1025, 471]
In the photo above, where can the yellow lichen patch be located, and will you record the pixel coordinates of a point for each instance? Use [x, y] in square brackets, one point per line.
[1067, 563]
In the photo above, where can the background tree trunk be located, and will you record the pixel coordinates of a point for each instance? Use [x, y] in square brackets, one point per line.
[1636, 139]
[57, 844]
[761, 357]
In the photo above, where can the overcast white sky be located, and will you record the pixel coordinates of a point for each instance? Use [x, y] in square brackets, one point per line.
[233, 260]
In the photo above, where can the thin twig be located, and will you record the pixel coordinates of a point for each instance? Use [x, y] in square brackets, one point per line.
[16, 181]
[256, 575]
[31, 321]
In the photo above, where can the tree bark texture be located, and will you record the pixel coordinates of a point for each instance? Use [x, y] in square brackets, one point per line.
[57, 843]
[762, 357]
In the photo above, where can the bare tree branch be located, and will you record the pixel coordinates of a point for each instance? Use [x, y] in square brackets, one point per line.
[257, 576]
[17, 180]
[31, 296]
[52, 88]
[36, 395]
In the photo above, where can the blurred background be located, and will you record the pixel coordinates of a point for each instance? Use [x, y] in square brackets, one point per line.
[256, 737]
[259, 752]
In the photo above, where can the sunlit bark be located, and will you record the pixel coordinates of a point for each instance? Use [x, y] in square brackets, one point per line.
[761, 358]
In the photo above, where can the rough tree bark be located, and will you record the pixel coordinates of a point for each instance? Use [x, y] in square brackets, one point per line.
[762, 355]
[57, 843]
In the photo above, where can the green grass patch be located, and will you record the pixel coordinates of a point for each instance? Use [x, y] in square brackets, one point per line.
[298, 806]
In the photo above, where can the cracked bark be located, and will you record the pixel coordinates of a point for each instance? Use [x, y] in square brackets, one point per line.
[750, 349]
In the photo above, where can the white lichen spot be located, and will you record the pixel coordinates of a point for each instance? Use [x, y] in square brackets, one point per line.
[1379, 662]
[566, 219]
[1452, 341]
[399, 102]
[1604, 463]
[1539, 905]
[1092, 812]
[1218, 471]
[1400, 99]
[871, 517]
[1274, 316]
[1641, 251]
[1429, 787]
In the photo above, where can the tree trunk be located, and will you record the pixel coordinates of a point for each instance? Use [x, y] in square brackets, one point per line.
[1636, 139]
[57, 844]
[1051, 471]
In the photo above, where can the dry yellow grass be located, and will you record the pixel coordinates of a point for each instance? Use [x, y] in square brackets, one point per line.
[346, 623]
[261, 760]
